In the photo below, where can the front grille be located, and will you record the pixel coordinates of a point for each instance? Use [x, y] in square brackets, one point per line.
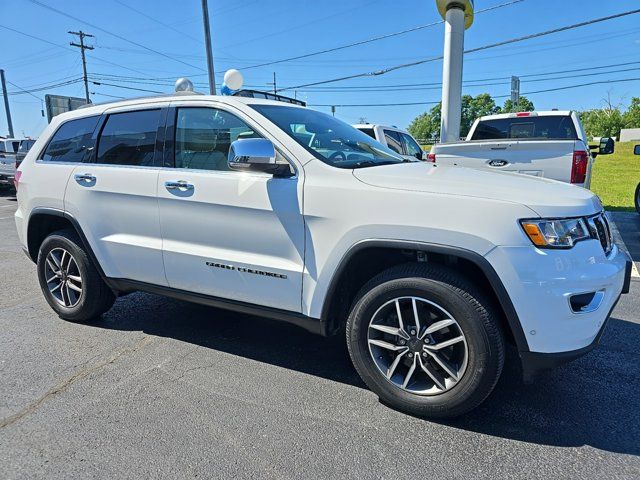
[599, 226]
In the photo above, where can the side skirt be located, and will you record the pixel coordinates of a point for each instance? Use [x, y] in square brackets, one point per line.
[313, 325]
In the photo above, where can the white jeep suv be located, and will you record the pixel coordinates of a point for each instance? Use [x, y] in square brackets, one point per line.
[278, 210]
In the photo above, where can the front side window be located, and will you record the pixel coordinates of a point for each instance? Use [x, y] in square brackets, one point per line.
[72, 142]
[129, 138]
[394, 142]
[327, 138]
[411, 146]
[204, 135]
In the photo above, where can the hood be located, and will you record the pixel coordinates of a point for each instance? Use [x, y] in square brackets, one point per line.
[548, 198]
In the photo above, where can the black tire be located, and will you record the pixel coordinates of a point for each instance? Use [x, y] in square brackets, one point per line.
[637, 198]
[96, 297]
[474, 315]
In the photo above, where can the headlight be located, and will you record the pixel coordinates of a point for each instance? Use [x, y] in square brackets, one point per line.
[556, 233]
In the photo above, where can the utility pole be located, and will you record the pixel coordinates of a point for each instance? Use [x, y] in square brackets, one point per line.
[82, 48]
[515, 92]
[6, 103]
[275, 89]
[207, 41]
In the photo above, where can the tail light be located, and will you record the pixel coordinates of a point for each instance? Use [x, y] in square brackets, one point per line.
[16, 179]
[431, 157]
[579, 166]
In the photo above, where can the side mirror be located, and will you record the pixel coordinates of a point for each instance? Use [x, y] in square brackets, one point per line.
[256, 155]
[636, 150]
[607, 146]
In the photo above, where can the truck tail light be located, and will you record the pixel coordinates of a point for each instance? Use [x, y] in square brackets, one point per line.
[579, 166]
[431, 157]
[16, 179]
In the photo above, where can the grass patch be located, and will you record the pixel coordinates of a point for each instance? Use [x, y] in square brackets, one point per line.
[614, 177]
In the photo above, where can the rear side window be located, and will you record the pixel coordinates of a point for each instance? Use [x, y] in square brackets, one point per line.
[72, 142]
[556, 127]
[368, 131]
[394, 142]
[129, 138]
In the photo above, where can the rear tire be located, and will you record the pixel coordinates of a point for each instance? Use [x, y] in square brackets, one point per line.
[69, 280]
[443, 381]
[637, 198]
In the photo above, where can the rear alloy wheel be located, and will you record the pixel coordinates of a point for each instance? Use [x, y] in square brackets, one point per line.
[69, 280]
[63, 277]
[426, 340]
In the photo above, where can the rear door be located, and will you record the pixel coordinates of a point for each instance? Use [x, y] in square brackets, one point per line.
[113, 196]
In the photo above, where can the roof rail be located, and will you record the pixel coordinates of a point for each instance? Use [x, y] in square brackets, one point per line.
[268, 96]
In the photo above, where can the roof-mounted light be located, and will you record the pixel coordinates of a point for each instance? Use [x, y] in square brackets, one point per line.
[184, 85]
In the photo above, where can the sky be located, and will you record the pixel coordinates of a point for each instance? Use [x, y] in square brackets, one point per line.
[147, 44]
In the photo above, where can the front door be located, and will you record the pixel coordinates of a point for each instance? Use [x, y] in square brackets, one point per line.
[228, 234]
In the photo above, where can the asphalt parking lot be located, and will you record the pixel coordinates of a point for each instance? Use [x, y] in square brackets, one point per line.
[161, 388]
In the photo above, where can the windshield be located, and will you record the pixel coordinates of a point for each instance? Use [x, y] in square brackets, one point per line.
[329, 140]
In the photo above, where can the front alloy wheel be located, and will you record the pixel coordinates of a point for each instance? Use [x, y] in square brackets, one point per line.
[417, 345]
[426, 340]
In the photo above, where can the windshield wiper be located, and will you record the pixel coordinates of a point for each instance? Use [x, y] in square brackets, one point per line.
[371, 163]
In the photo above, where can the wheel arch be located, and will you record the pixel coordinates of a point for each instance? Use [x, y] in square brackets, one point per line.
[43, 221]
[335, 305]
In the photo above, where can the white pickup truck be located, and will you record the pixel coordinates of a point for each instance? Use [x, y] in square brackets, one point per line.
[400, 141]
[549, 144]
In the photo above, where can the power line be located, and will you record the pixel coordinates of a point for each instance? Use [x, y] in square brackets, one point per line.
[124, 39]
[166, 25]
[568, 87]
[126, 88]
[473, 50]
[68, 49]
[46, 87]
[374, 39]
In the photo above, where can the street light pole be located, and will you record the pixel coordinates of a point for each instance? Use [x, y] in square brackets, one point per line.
[458, 15]
[207, 41]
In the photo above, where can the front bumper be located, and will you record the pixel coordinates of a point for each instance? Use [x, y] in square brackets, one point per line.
[541, 283]
[535, 362]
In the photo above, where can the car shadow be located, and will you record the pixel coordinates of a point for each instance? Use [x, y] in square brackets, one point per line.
[7, 192]
[593, 401]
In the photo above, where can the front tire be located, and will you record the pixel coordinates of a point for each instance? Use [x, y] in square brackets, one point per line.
[426, 341]
[69, 281]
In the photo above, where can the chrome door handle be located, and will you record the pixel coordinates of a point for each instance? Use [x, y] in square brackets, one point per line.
[179, 185]
[84, 177]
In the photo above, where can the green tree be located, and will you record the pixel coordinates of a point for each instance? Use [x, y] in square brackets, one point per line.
[603, 122]
[474, 107]
[523, 105]
[426, 127]
[632, 115]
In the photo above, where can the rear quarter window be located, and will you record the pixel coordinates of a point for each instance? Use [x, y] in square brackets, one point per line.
[368, 131]
[554, 127]
[72, 141]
